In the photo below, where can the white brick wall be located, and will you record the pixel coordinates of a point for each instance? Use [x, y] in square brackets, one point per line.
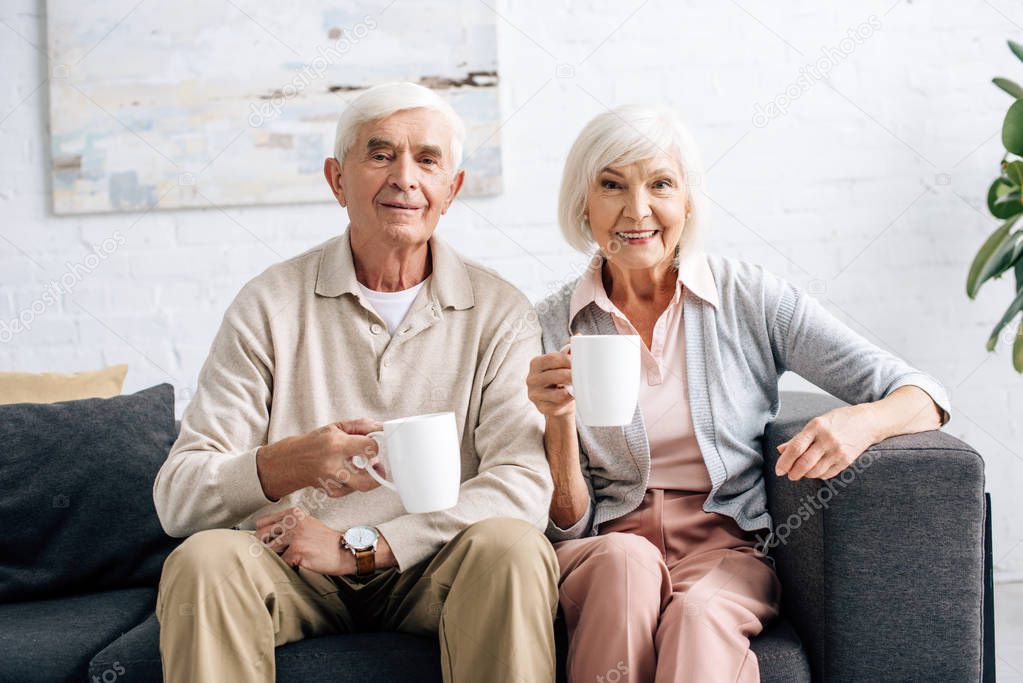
[844, 193]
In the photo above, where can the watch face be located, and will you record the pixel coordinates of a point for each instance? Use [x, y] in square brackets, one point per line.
[360, 537]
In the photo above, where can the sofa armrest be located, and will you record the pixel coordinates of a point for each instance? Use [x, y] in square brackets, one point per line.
[882, 566]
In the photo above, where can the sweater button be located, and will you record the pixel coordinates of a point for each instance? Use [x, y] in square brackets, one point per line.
[376, 328]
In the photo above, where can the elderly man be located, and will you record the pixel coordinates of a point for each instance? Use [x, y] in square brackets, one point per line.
[383, 321]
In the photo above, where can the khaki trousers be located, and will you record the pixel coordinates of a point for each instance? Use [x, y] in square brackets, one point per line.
[490, 594]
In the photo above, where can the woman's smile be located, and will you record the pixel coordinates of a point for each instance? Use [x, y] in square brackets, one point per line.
[632, 237]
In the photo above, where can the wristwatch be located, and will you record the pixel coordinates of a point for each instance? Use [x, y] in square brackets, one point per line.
[361, 541]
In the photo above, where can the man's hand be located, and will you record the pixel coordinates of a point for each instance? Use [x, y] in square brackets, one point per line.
[828, 443]
[321, 458]
[304, 541]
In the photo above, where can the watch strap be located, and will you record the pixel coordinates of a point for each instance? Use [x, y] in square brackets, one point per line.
[365, 561]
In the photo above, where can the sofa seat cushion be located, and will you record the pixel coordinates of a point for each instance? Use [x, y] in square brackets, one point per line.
[358, 657]
[53, 640]
[394, 657]
[780, 654]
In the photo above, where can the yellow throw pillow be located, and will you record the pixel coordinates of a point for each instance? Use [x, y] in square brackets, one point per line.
[51, 387]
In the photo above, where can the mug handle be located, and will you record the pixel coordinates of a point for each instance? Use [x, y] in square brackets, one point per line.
[362, 462]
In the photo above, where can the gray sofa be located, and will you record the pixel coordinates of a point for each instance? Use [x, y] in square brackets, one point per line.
[886, 573]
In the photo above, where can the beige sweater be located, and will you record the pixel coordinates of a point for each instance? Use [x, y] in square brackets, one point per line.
[299, 348]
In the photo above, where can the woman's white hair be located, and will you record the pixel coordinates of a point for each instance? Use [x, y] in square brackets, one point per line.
[385, 99]
[620, 137]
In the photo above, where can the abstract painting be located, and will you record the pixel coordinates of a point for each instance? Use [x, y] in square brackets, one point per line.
[212, 104]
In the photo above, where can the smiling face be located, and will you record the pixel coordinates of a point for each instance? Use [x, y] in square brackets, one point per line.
[637, 212]
[398, 178]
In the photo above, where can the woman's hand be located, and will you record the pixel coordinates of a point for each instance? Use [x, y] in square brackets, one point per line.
[828, 443]
[548, 375]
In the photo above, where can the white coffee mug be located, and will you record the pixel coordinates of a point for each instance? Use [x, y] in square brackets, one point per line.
[423, 456]
[605, 378]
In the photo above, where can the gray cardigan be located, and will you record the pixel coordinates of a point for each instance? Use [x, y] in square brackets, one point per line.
[734, 357]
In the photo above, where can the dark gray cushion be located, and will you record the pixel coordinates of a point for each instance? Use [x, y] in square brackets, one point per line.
[53, 640]
[392, 657]
[882, 566]
[77, 507]
[780, 654]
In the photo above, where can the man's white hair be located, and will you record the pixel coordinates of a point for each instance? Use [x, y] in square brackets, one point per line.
[620, 137]
[385, 99]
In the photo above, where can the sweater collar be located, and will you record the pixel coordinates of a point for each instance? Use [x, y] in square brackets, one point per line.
[450, 281]
[694, 273]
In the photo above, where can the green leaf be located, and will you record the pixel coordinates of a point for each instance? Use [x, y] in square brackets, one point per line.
[1014, 308]
[1016, 48]
[999, 235]
[1011, 198]
[1014, 171]
[1017, 349]
[999, 188]
[1017, 345]
[1012, 128]
[1008, 86]
[1001, 259]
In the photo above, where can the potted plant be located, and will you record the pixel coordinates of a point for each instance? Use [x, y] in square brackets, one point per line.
[1003, 249]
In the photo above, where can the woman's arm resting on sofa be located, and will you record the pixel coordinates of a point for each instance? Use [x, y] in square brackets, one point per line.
[907, 410]
[887, 396]
[831, 442]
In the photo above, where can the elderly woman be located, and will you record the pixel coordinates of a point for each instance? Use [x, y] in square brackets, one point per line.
[653, 523]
